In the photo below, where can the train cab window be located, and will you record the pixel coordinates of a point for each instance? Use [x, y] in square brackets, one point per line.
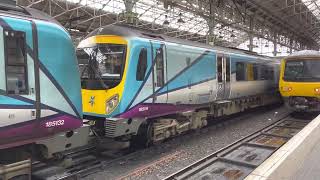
[16, 62]
[240, 71]
[142, 65]
[159, 67]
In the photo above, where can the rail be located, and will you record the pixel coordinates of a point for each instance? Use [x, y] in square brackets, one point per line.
[240, 158]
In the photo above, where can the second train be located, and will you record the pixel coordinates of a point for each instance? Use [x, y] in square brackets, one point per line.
[147, 87]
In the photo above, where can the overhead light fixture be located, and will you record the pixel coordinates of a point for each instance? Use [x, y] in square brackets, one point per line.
[166, 22]
[180, 20]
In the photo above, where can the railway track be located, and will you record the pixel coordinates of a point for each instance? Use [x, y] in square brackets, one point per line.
[78, 164]
[240, 158]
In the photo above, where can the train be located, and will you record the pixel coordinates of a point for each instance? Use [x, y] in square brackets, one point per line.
[40, 94]
[299, 82]
[144, 88]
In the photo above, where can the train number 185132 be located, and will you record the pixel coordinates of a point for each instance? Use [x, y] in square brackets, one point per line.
[55, 123]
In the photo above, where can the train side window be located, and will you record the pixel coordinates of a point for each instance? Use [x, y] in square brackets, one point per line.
[240, 71]
[16, 62]
[142, 65]
[271, 74]
[255, 72]
[264, 72]
[159, 67]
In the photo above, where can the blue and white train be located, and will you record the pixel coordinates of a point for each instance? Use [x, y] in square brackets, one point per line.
[137, 85]
[40, 92]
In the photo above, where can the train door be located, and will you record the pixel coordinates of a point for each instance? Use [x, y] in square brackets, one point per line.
[159, 70]
[223, 77]
[227, 74]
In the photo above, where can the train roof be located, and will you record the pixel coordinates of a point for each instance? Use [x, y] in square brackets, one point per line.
[304, 54]
[19, 11]
[130, 32]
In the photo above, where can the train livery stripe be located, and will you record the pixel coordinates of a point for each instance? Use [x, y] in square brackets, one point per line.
[54, 82]
[143, 83]
[36, 69]
[199, 71]
[30, 121]
[13, 101]
[176, 76]
[10, 106]
[44, 69]
[183, 71]
[22, 101]
[185, 86]
[60, 53]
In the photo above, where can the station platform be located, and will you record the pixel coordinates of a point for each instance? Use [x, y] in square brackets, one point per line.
[297, 159]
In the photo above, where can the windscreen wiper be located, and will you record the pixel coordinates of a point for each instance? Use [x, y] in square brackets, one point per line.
[91, 63]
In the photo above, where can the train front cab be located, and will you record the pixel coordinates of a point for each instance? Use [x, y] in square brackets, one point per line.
[109, 86]
[300, 83]
[102, 62]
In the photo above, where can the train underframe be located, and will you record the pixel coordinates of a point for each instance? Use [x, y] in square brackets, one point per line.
[303, 104]
[153, 130]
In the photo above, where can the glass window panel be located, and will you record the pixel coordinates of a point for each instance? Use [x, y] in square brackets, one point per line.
[142, 65]
[16, 80]
[240, 71]
[16, 65]
[160, 67]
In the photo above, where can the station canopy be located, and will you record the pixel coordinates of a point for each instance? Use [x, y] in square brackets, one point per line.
[249, 24]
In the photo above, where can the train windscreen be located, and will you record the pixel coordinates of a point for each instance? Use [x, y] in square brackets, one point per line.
[302, 71]
[101, 66]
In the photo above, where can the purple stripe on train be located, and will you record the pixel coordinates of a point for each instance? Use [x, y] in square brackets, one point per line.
[155, 110]
[37, 129]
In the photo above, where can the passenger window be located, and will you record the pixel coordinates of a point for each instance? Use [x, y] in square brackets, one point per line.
[142, 65]
[240, 71]
[271, 74]
[255, 72]
[159, 67]
[16, 62]
[264, 73]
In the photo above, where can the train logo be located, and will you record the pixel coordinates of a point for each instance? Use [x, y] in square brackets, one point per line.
[92, 99]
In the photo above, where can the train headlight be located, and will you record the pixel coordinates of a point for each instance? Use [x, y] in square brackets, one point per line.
[286, 89]
[317, 91]
[112, 103]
